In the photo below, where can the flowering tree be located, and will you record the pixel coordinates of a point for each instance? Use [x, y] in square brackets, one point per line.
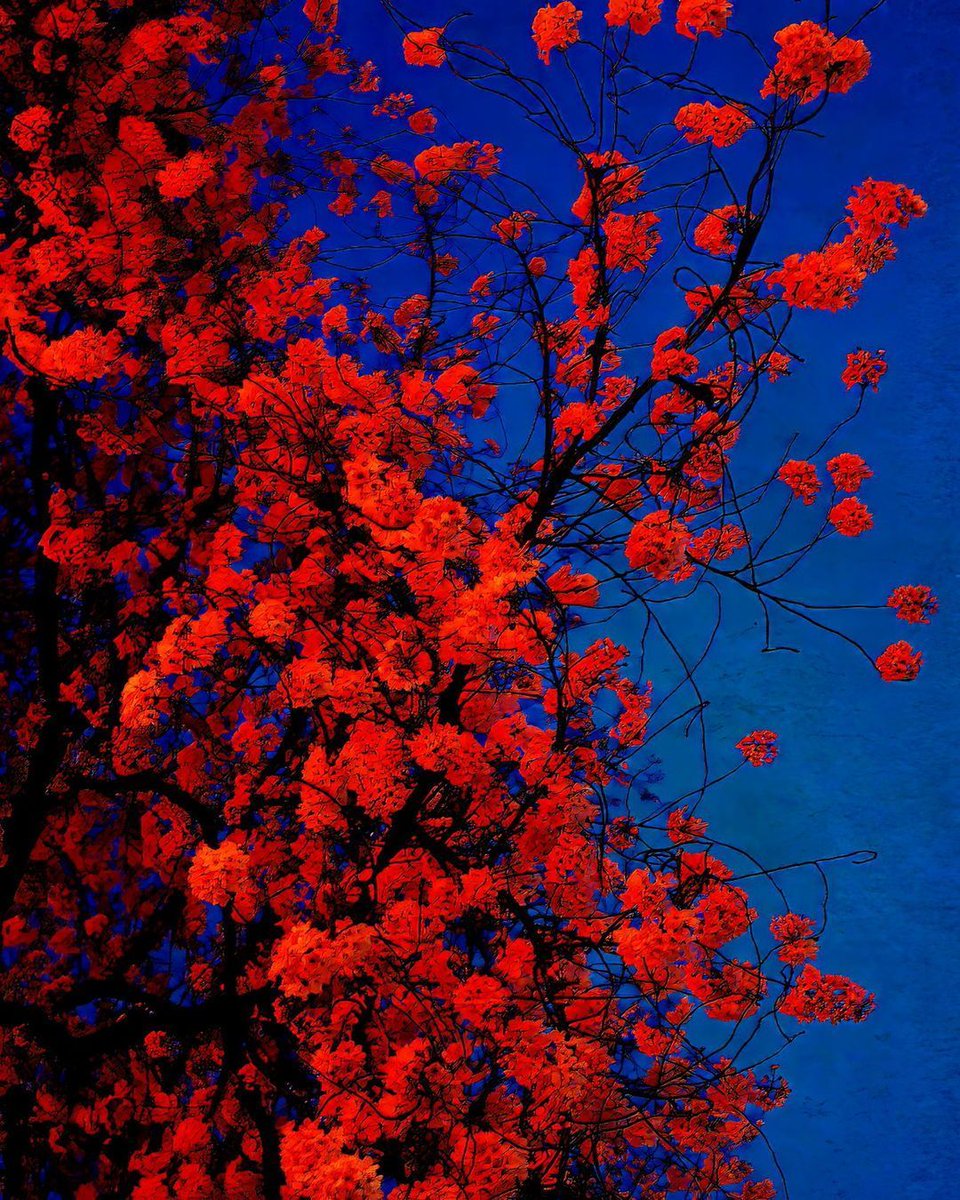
[330, 861]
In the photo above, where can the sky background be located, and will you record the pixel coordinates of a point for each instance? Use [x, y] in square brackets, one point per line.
[864, 765]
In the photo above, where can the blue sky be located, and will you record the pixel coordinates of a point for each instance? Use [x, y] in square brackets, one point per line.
[863, 764]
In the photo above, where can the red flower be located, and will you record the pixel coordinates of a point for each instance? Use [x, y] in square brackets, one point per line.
[682, 828]
[864, 367]
[794, 932]
[556, 27]
[422, 121]
[641, 15]
[571, 589]
[914, 604]
[801, 478]
[702, 16]
[876, 203]
[669, 355]
[716, 231]
[510, 229]
[421, 48]
[848, 471]
[819, 997]
[759, 748]
[827, 279]
[723, 125]
[850, 517]
[812, 60]
[29, 129]
[657, 544]
[322, 14]
[619, 184]
[899, 663]
[631, 240]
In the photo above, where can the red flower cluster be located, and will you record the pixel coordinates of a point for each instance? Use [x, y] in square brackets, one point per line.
[556, 27]
[828, 279]
[801, 478]
[848, 471]
[759, 748]
[421, 48]
[322, 14]
[29, 129]
[512, 228]
[632, 240]
[877, 204]
[716, 544]
[831, 278]
[716, 231]
[683, 828]
[899, 663]
[812, 60]
[308, 885]
[584, 275]
[794, 933]
[422, 121]
[611, 180]
[669, 355]
[865, 368]
[721, 124]
[657, 544]
[914, 604]
[703, 16]
[578, 590]
[640, 15]
[850, 517]
[818, 997]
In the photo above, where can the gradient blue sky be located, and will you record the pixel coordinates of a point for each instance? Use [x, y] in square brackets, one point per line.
[863, 764]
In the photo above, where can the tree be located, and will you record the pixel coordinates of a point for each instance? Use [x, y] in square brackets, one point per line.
[331, 862]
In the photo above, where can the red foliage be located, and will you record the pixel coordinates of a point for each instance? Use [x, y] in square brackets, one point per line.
[796, 936]
[818, 997]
